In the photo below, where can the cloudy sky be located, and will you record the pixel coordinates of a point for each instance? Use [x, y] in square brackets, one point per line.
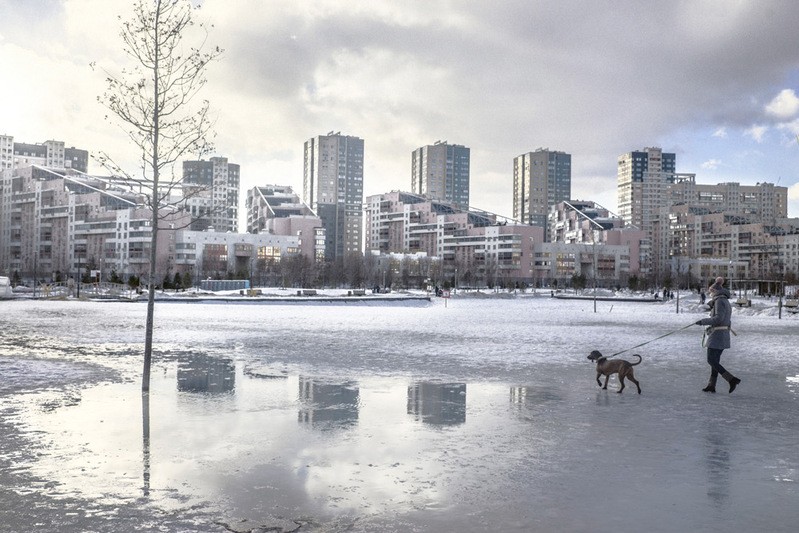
[713, 81]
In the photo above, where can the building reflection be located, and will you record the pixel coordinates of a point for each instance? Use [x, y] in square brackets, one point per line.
[525, 396]
[328, 403]
[438, 403]
[201, 373]
[717, 465]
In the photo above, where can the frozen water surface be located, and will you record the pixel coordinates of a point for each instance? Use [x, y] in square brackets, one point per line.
[483, 415]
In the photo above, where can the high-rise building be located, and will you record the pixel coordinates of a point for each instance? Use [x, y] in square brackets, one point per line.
[211, 194]
[643, 181]
[541, 179]
[441, 172]
[333, 188]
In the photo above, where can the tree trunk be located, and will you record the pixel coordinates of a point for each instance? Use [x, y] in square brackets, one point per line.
[148, 332]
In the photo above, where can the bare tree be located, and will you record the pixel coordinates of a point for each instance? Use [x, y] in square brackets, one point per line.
[155, 102]
[354, 269]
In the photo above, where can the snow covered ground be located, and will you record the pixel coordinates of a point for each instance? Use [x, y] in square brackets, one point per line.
[480, 413]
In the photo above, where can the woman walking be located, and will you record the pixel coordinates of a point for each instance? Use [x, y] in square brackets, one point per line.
[718, 332]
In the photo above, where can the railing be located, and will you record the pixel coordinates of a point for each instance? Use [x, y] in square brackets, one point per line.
[65, 289]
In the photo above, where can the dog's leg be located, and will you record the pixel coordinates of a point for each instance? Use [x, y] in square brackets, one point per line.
[636, 383]
[621, 381]
[607, 377]
[597, 379]
[631, 375]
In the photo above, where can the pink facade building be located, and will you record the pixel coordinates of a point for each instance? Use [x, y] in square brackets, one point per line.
[469, 247]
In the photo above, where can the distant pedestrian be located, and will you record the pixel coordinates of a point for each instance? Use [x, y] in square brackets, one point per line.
[701, 296]
[718, 331]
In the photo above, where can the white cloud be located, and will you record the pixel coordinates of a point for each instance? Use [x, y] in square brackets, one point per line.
[783, 106]
[791, 127]
[720, 133]
[756, 133]
[711, 164]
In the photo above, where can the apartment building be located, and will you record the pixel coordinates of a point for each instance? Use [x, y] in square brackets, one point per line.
[541, 179]
[51, 154]
[579, 221]
[333, 189]
[277, 210]
[211, 194]
[643, 180]
[55, 223]
[738, 246]
[788, 251]
[761, 204]
[120, 240]
[42, 209]
[470, 245]
[6, 152]
[441, 172]
[765, 201]
[205, 254]
[608, 264]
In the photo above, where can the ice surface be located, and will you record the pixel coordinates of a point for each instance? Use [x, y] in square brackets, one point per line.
[483, 415]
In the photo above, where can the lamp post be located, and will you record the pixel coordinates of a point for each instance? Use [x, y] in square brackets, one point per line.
[78, 293]
[35, 273]
[252, 270]
[678, 285]
[593, 239]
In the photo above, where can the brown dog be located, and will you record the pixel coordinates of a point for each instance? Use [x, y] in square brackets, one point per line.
[607, 367]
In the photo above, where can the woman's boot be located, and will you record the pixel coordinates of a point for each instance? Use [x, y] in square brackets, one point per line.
[711, 384]
[732, 380]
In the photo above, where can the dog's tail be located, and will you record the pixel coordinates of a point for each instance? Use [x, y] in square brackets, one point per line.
[639, 359]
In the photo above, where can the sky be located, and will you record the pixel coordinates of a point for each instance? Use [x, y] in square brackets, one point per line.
[713, 81]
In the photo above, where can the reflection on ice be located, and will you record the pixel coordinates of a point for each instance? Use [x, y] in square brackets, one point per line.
[201, 373]
[717, 464]
[322, 403]
[532, 396]
[438, 403]
[145, 418]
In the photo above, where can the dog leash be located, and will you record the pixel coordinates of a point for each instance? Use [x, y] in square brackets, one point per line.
[653, 340]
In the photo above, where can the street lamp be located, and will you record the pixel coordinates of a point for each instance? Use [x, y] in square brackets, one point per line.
[35, 273]
[593, 238]
[252, 271]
